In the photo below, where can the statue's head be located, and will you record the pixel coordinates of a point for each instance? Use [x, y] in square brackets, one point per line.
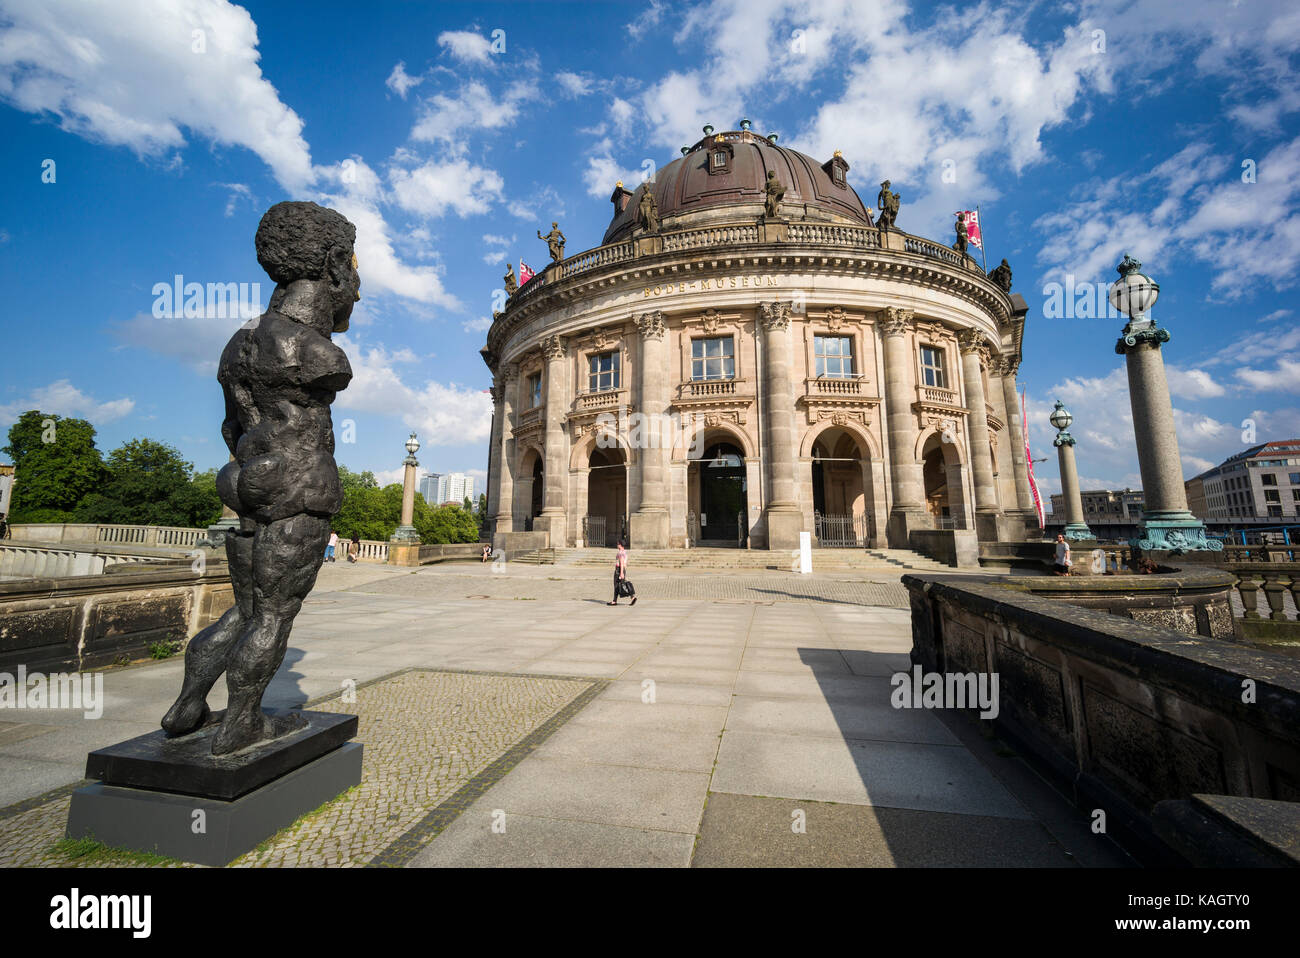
[554, 225]
[885, 185]
[1004, 263]
[303, 241]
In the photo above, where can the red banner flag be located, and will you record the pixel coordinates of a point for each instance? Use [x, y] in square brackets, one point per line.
[1029, 460]
[525, 273]
[973, 234]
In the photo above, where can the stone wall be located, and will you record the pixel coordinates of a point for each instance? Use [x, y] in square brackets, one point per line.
[89, 621]
[1120, 713]
[959, 548]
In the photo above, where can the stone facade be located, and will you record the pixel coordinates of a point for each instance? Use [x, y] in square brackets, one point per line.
[666, 387]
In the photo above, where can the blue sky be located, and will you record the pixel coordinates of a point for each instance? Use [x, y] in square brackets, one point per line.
[1083, 130]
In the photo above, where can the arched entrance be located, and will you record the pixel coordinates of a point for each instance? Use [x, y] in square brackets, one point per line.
[528, 488]
[942, 476]
[605, 522]
[840, 491]
[719, 477]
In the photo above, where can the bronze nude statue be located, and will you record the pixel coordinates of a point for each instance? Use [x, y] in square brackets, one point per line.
[773, 193]
[554, 242]
[279, 373]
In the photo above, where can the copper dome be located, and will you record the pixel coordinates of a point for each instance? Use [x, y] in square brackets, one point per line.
[686, 185]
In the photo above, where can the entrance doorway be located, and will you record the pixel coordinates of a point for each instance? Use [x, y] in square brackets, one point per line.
[606, 516]
[724, 499]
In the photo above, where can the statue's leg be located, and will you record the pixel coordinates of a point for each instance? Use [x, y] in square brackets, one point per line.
[207, 653]
[287, 554]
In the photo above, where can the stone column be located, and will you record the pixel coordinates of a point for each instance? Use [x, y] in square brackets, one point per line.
[648, 526]
[507, 376]
[1016, 433]
[1167, 523]
[555, 469]
[1075, 525]
[906, 477]
[971, 343]
[784, 518]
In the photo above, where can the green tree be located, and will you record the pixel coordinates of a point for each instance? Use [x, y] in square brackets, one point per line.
[467, 505]
[148, 484]
[56, 464]
[207, 502]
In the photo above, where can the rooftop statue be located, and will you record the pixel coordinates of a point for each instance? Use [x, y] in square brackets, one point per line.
[963, 235]
[512, 284]
[774, 192]
[888, 204]
[554, 241]
[279, 373]
[1001, 276]
[648, 211]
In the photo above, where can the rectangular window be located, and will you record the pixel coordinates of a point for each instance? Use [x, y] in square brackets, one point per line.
[834, 356]
[1268, 479]
[534, 390]
[1275, 512]
[1295, 494]
[932, 373]
[602, 372]
[719, 159]
[713, 359]
[1295, 478]
[1272, 495]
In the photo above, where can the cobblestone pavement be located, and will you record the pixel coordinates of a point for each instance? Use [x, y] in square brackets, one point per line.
[426, 735]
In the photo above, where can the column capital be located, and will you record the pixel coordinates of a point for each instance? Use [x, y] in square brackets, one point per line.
[1063, 439]
[896, 321]
[1006, 367]
[507, 373]
[553, 348]
[774, 315]
[970, 341]
[650, 325]
[1132, 337]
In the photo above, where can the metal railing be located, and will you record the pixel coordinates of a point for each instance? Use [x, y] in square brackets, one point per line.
[949, 522]
[593, 531]
[842, 531]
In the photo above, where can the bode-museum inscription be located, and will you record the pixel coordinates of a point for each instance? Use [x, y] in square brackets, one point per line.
[748, 281]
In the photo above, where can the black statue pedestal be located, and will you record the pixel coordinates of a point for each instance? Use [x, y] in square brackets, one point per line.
[173, 797]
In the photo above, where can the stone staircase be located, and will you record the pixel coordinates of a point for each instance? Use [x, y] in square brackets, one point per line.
[739, 560]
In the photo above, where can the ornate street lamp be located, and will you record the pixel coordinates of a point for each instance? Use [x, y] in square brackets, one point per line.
[406, 531]
[1075, 526]
[1167, 524]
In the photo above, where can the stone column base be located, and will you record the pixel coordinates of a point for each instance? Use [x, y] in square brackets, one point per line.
[1173, 532]
[648, 530]
[557, 527]
[901, 526]
[783, 530]
[404, 553]
[1000, 527]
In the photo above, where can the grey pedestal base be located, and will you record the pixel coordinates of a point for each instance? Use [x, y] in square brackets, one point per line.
[165, 823]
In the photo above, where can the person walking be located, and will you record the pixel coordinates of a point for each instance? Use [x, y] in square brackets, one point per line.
[621, 583]
[354, 547]
[1063, 562]
[333, 544]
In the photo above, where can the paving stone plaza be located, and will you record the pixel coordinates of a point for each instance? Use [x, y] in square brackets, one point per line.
[513, 719]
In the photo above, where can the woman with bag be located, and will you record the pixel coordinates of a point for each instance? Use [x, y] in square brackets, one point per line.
[621, 584]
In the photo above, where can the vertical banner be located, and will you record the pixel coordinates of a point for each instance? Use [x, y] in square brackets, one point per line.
[1029, 460]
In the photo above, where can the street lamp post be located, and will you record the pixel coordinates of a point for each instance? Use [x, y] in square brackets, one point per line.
[1075, 526]
[406, 531]
[1167, 523]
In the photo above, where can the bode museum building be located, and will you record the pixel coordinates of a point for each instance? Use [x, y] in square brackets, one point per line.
[749, 354]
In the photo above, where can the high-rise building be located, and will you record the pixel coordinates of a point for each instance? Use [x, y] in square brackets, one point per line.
[440, 487]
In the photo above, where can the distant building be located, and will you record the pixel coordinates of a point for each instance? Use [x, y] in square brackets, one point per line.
[1262, 482]
[440, 488]
[1103, 506]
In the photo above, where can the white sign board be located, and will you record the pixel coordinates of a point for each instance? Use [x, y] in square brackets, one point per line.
[805, 553]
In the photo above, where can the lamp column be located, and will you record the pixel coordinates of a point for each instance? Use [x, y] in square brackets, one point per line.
[1075, 526]
[404, 544]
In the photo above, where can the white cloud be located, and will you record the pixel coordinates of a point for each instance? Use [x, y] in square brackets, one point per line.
[1192, 383]
[140, 86]
[444, 119]
[573, 84]
[648, 19]
[399, 81]
[238, 192]
[64, 399]
[466, 46]
[481, 325]
[443, 414]
[454, 186]
[603, 171]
